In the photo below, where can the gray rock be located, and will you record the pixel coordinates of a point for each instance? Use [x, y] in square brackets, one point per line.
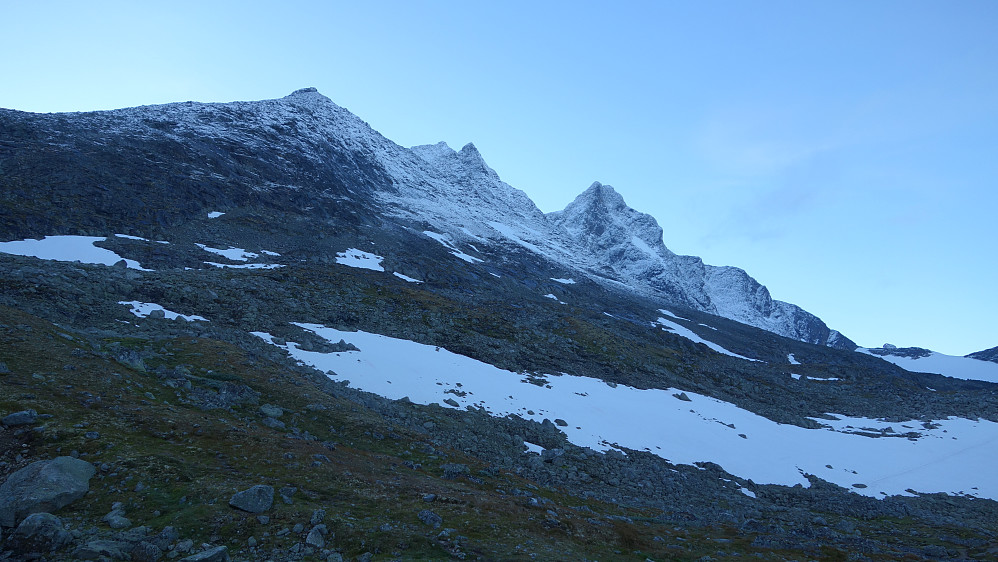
[39, 532]
[453, 470]
[271, 411]
[24, 417]
[334, 557]
[97, 549]
[315, 538]
[560, 422]
[43, 486]
[158, 313]
[185, 546]
[682, 396]
[318, 516]
[146, 552]
[92, 435]
[165, 538]
[256, 499]
[117, 520]
[217, 554]
[273, 423]
[298, 528]
[287, 492]
[430, 518]
[549, 455]
[263, 519]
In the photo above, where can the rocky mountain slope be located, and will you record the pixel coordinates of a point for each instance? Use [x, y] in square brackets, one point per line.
[411, 361]
[986, 355]
[304, 153]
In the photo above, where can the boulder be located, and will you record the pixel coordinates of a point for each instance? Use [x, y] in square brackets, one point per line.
[43, 486]
[454, 470]
[430, 518]
[146, 552]
[271, 411]
[40, 533]
[256, 499]
[315, 538]
[217, 554]
[24, 417]
[102, 549]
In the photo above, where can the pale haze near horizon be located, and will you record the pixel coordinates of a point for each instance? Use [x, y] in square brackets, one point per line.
[845, 154]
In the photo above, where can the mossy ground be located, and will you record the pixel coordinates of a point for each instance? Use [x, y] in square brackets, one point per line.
[173, 463]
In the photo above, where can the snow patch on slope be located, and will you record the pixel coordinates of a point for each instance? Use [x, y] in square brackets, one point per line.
[957, 367]
[144, 309]
[67, 248]
[692, 336]
[353, 257]
[953, 456]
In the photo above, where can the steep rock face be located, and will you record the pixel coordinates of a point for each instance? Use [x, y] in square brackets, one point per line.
[630, 244]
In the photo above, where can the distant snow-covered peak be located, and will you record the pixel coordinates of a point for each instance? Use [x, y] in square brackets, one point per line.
[600, 219]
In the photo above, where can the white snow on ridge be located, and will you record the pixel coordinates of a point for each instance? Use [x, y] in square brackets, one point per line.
[246, 265]
[130, 237]
[215, 214]
[67, 248]
[143, 309]
[360, 259]
[406, 277]
[691, 335]
[443, 239]
[793, 360]
[564, 281]
[234, 254]
[554, 297]
[953, 366]
[671, 315]
[953, 457]
[533, 448]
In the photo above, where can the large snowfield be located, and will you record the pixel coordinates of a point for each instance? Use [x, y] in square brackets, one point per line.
[950, 365]
[952, 455]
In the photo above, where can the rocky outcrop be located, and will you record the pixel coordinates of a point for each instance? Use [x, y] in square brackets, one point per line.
[986, 355]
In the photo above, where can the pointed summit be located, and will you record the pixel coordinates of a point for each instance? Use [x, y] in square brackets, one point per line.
[308, 96]
[600, 217]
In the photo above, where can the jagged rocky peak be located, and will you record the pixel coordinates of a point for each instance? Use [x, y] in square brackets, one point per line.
[601, 219]
[466, 163]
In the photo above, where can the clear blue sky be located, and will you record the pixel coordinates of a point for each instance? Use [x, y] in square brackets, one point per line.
[844, 153]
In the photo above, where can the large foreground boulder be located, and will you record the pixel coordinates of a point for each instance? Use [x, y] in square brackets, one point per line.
[43, 486]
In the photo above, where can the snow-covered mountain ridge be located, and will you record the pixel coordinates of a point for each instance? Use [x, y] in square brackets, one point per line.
[598, 233]
[304, 152]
